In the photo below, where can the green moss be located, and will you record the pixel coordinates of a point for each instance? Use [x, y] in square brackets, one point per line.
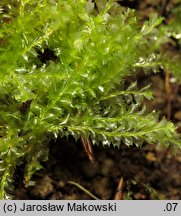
[62, 66]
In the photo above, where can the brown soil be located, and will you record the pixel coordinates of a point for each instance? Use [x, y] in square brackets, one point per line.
[146, 174]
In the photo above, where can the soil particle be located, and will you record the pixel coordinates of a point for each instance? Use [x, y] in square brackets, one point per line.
[43, 188]
[89, 169]
[107, 167]
[102, 187]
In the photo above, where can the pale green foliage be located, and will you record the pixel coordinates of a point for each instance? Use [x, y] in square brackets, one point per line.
[174, 26]
[173, 31]
[166, 40]
[80, 91]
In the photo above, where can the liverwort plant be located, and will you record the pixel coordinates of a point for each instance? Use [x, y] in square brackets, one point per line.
[62, 73]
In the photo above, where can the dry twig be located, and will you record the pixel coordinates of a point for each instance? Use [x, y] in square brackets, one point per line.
[119, 191]
[168, 92]
[87, 144]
